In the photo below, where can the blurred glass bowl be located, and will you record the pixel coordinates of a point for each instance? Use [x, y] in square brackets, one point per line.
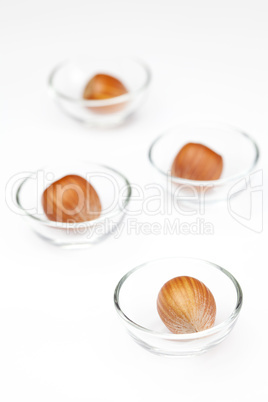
[239, 151]
[113, 189]
[68, 80]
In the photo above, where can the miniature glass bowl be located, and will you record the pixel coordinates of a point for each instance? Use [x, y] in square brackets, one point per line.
[136, 295]
[68, 80]
[114, 191]
[239, 151]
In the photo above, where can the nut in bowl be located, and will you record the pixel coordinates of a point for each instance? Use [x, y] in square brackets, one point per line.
[100, 92]
[203, 162]
[74, 206]
[138, 295]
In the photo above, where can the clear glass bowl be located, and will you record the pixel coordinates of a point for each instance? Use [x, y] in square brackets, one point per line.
[135, 300]
[68, 80]
[114, 191]
[239, 151]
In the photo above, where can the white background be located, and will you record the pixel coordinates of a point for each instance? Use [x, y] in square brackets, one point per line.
[60, 338]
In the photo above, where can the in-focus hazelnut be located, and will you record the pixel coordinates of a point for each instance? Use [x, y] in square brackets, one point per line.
[186, 305]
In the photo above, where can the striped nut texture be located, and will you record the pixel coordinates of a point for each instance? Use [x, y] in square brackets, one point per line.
[186, 305]
[197, 162]
[101, 87]
[71, 199]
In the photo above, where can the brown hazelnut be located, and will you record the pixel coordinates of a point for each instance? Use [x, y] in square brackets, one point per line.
[186, 305]
[197, 162]
[101, 87]
[71, 199]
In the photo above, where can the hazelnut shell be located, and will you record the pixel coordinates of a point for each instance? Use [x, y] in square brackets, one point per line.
[186, 305]
[71, 199]
[101, 87]
[197, 162]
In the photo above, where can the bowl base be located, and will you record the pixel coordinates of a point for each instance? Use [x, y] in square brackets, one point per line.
[166, 353]
[66, 245]
[101, 123]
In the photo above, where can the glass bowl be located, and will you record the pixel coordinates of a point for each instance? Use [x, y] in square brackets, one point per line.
[68, 80]
[239, 151]
[135, 300]
[114, 191]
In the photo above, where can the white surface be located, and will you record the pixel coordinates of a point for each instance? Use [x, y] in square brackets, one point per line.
[60, 339]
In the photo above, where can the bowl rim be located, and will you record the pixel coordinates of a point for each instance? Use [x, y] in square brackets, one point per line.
[65, 225]
[102, 102]
[180, 180]
[180, 337]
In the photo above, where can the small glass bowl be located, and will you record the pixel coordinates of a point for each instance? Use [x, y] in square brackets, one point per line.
[114, 191]
[68, 80]
[239, 151]
[136, 295]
